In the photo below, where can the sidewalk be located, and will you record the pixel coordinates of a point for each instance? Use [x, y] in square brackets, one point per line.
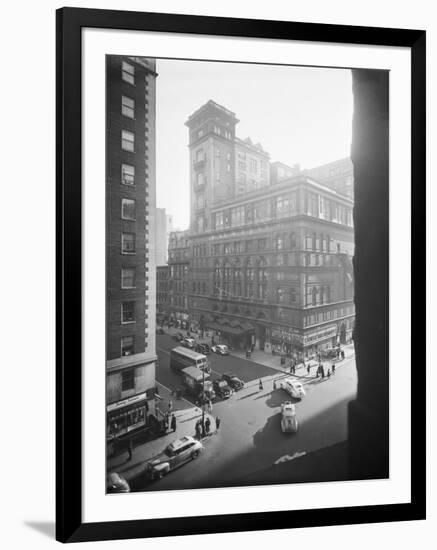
[164, 395]
[274, 361]
[185, 425]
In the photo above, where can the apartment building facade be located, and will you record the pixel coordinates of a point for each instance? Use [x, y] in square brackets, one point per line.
[130, 243]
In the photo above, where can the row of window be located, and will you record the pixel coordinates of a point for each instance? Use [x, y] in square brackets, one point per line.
[128, 274]
[178, 286]
[282, 206]
[179, 301]
[316, 295]
[328, 315]
[199, 287]
[178, 271]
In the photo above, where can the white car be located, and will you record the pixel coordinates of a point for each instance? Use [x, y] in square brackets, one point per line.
[116, 483]
[220, 349]
[288, 418]
[188, 342]
[292, 387]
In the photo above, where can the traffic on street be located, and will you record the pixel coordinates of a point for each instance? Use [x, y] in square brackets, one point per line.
[265, 416]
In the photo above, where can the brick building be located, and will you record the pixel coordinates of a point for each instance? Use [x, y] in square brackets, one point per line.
[337, 175]
[179, 263]
[162, 287]
[130, 234]
[268, 264]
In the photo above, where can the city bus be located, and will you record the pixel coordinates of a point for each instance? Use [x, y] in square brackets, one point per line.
[181, 357]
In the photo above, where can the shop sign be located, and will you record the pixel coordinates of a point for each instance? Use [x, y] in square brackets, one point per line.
[286, 335]
[126, 402]
[321, 334]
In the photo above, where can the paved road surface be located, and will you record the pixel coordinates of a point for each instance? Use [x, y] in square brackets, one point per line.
[246, 370]
[250, 438]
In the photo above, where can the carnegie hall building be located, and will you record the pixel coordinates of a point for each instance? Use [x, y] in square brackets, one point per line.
[270, 247]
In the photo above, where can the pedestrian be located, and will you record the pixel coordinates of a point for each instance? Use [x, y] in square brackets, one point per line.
[170, 406]
[210, 406]
[342, 354]
[333, 368]
[274, 384]
[207, 425]
[329, 373]
[203, 426]
[260, 385]
[322, 371]
[173, 423]
[217, 423]
[198, 430]
[308, 368]
[129, 450]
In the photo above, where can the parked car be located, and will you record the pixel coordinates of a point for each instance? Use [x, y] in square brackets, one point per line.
[329, 353]
[234, 382]
[116, 483]
[174, 455]
[222, 389]
[220, 349]
[188, 342]
[288, 418]
[203, 348]
[292, 387]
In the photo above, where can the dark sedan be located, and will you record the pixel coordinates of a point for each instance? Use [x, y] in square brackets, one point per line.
[234, 382]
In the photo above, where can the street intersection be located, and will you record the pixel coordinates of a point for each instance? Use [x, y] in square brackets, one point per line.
[250, 438]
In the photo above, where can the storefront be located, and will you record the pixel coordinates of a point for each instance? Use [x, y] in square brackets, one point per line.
[127, 415]
[285, 340]
[316, 339]
[238, 337]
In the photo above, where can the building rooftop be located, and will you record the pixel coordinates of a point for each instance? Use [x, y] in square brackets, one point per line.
[211, 105]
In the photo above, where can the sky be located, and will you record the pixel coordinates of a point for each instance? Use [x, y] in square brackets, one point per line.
[300, 115]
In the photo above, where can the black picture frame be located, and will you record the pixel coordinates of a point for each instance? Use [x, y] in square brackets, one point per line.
[70, 22]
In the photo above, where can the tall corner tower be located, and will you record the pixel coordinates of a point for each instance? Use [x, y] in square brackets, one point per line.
[212, 161]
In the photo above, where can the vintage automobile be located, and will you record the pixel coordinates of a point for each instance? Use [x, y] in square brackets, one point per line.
[233, 380]
[329, 353]
[292, 387]
[188, 342]
[222, 389]
[174, 455]
[220, 349]
[288, 418]
[203, 348]
[116, 483]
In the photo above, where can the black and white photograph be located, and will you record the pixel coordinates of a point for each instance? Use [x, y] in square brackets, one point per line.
[230, 311]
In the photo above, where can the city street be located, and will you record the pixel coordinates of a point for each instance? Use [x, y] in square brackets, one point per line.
[244, 369]
[250, 438]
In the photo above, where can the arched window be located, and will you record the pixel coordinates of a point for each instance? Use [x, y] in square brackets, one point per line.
[280, 295]
[227, 272]
[237, 279]
[249, 280]
[280, 242]
[217, 279]
[261, 278]
[314, 298]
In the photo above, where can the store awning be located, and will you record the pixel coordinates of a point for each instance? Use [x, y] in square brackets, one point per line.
[235, 331]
